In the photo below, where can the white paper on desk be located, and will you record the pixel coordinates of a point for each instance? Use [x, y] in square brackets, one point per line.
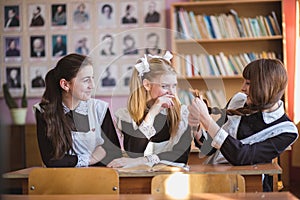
[175, 164]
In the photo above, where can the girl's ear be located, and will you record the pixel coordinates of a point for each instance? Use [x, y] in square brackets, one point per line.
[64, 84]
[147, 84]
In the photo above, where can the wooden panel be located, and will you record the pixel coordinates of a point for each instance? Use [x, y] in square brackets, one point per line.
[15, 147]
[33, 156]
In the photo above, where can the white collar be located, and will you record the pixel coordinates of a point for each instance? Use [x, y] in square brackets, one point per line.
[82, 108]
[272, 116]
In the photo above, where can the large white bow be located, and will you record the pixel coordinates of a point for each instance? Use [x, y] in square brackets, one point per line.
[143, 67]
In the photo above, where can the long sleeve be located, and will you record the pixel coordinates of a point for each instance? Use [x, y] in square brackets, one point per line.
[263, 152]
[111, 140]
[46, 148]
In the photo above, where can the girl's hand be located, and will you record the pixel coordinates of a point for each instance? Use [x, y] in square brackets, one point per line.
[165, 101]
[198, 112]
[97, 155]
[127, 162]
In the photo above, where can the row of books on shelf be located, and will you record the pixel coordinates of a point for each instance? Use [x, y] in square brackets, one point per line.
[224, 25]
[206, 65]
[215, 97]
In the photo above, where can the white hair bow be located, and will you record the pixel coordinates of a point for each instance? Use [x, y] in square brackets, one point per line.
[168, 56]
[143, 67]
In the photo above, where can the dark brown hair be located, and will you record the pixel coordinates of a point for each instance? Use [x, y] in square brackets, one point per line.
[58, 130]
[268, 81]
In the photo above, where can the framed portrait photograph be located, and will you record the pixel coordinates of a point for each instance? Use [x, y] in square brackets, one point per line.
[36, 75]
[126, 73]
[58, 15]
[59, 45]
[12, 48]
[130, 44]
[107, 46]
[36, 16]
[37, 47]
[152, 43]
[81, 15]
[107, 14]
[129, 13]
[12, 20]
[82, 43]
[13, 77]
[106, 78]
[153, 11]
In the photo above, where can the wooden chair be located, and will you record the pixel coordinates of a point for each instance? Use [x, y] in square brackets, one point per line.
[184, 184]
[90, 180]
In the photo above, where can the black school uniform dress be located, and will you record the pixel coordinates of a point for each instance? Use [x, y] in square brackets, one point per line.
[252, 139]
[144, 140]
[92, 126]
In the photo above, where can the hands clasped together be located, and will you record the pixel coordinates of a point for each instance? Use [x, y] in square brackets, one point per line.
[198, 114]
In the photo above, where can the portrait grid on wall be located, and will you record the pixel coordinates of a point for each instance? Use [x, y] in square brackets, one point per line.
[107, 30]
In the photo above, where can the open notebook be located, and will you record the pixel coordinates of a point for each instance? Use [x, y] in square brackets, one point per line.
[162, 166]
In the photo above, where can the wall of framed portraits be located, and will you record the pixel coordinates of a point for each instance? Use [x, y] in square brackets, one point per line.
[115, 33]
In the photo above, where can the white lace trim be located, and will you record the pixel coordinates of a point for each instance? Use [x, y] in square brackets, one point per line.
[147, 129]
[83, 161]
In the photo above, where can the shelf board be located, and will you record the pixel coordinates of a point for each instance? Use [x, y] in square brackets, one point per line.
[210, 77]
[277, 37]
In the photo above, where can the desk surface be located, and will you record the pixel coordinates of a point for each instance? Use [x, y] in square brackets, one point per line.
[271, 168]
[254, 196]
[139, 181]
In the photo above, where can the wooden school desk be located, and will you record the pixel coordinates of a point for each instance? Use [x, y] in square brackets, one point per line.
[207, 196]
[139, 182]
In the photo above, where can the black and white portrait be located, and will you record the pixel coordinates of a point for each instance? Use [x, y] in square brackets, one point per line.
[126, 74]
[36, 15]
[129, 13]
[152, 14]
[130, 44]
[107, 45]
[37, 46]
[109, 76]
[37, 76]
[152, 43]
[107, 15]
[13, 77]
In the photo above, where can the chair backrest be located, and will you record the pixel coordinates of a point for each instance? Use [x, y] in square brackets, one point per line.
[90, 180]
[184, 184]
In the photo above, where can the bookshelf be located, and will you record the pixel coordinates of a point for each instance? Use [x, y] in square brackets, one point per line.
[238, 49]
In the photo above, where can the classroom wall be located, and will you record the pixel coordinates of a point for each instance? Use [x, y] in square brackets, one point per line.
[115, 102]
[120, 101]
